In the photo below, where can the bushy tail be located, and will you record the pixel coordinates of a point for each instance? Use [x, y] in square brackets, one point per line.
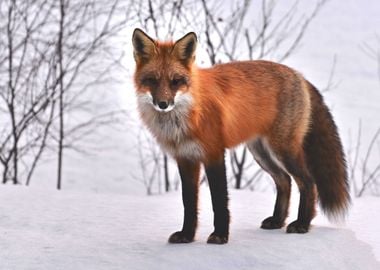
[325, 160]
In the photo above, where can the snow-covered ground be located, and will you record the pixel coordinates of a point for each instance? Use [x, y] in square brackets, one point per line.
[42, 229]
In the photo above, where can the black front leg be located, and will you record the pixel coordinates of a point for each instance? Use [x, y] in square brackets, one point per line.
[216, 175]
[189, 172]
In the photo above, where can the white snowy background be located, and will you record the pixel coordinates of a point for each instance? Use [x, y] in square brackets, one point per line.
[102, 218]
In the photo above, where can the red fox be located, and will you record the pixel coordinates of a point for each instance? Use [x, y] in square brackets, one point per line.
[196, 113]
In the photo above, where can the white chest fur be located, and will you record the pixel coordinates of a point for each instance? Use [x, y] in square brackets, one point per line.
[171, 128]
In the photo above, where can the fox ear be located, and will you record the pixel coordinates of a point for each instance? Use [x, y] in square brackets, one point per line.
[185, 47]
[143, 45]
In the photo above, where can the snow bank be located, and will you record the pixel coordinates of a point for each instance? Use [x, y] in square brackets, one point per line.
[67, 230]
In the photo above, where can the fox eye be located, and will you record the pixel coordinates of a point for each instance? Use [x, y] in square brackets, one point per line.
[176, 82]
[150, 81]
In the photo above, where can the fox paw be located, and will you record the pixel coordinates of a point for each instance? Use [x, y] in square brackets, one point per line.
[297, 227]
[271, 223]
[215, 238]
[181, 237]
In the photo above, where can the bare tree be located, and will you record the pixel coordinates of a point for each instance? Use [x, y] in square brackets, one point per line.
[373, 51]
[54, 54]
[102, 19]
[364, 167]
[363, 170]
[150, 162]
[62, 11]
[26, 95]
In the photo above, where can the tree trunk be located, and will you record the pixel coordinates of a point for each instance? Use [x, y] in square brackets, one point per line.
[240, 168]
[166, 173]
[12, 90]
[60, 101]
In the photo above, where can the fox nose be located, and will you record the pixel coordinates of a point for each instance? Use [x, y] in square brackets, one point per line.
[163, 105]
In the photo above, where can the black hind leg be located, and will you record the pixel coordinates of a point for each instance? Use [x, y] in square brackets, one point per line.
[280, 212]
[306, 210]
[282, 180]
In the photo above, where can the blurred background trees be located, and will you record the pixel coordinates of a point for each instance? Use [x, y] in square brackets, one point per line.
[59, 58]
[52, 53]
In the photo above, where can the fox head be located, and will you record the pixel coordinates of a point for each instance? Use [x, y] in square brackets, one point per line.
[163, 70]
